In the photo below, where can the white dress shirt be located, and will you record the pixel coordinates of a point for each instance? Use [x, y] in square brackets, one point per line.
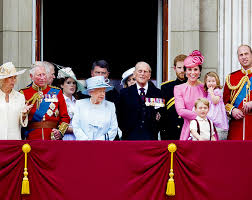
[145, 88]
[204, 128]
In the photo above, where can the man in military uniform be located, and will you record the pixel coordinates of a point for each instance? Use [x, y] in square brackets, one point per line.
[237, 97]
[48, 118]
[171, 122]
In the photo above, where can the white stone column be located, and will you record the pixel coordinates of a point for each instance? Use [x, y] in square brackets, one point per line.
[235, 26]
[185, 28]
[15, 35]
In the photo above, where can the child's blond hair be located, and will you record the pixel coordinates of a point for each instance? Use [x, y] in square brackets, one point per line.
[215, 75]
[202, 100]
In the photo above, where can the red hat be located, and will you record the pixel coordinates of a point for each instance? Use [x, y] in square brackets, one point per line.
[194, 59]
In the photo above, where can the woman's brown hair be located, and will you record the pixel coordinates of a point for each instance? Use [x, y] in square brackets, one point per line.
[61, 81]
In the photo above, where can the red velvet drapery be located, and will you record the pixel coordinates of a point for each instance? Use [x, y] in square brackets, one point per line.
[127, 170]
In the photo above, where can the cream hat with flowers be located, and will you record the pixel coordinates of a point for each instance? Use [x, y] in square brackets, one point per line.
[8, 69]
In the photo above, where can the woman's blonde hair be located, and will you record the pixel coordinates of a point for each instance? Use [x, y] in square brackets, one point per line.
[215, 75]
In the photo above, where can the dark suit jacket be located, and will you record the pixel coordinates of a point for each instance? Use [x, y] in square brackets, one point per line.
[136, 120]
[171, 123]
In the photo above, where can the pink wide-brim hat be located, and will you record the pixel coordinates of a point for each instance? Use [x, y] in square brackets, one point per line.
[194, 59]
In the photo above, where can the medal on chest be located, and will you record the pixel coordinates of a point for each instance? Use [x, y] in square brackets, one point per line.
[156, 102]
[51, 97]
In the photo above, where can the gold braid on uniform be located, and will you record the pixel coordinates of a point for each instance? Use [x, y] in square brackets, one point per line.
[239, 86]
[63, 127]
[51, 86]
[170, 103]
[36, 97]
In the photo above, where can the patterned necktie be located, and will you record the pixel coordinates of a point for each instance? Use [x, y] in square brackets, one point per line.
[142, 93]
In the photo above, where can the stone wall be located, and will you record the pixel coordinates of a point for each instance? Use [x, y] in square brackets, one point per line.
[16, 36]
[194, 25]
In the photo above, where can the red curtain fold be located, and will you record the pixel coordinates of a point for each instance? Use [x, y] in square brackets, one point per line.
[126, 170]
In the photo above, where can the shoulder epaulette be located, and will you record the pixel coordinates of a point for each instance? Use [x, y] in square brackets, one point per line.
[24, 88]
[235, 71]
[51, 86]
[167, 82]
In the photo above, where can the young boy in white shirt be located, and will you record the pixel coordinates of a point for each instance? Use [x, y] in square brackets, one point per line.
[201, 128]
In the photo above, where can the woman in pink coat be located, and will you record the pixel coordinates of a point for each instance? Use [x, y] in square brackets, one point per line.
[186, 94]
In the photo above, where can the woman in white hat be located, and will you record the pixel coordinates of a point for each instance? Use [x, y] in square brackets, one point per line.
[70, 86]
[12, 104]
[128, 78]
[95, 117]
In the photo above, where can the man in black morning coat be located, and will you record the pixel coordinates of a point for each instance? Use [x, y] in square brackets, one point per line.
[136, 120]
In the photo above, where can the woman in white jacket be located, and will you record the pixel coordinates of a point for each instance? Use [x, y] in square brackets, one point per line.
[12, 104]
[95, 118]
